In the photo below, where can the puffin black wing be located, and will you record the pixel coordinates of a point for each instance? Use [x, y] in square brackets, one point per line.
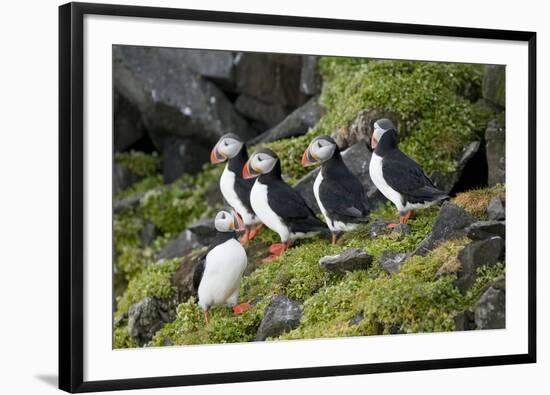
[407, 177]
[343, 195]
[199, 271]
[288, 204]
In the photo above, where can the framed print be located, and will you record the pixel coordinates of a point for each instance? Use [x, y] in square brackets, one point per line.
[253, 197]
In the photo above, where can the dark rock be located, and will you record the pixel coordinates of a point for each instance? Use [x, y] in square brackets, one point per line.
[148, 233]
[184, 243]
[391, 262]
[403, 229]
[128, 127]
[130, 201]
[349, 260]
[180, 156]
[356, 319]
[273, 78]
[280, 316]
[297, 123]
[451, 223]
[357, 158]
[267, 114]
[495, 135]
[464, 321]
[361, 128]
[482, 230]
[490, 309]
[310, 79]
[217, 66]
[378, 227]
[182, 278]
[494, 84]
[213, 195]
[149, 315]
[476, 254]
[447, 181]
[172, 98]
[495, 209]
[123, 178]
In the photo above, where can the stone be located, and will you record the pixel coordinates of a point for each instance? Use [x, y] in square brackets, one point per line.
[490, 309]
[127, 202]
[391, 262]
[446, 182]
[182, 279]
[476, 254]
[184, 243]
[356, 319]
[495, 137]
[128, 127]
[123, 178]
[172, 99]
[147, 316]
[378, 227]
[403, 229]
[297, 123]
[267, 114]
[362, 127]
[280, 316]
[310, 79]
[494, 84]
[273, 78]
[451, 223]
[482, 230]
[464, 321]
[217, 66]
[357, 159]
[180, 156]
[148, 233]
[349, 260]
[495, 209]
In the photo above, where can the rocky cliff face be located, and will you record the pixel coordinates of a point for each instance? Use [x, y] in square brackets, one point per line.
[443, 271]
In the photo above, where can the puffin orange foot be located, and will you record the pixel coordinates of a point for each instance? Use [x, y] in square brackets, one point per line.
[277, 249]
[241, 308]
[245, 238]
[255, 231]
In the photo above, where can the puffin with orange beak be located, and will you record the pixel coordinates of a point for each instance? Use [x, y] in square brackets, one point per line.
[218, 275]
[398, 177]
[339, 193]
[280, 207]
[235, 189]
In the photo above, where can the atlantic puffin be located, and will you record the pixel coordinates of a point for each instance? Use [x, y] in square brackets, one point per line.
[235, 189]
[277, 204]
[398, 177]
[339, 193]
[218, 275]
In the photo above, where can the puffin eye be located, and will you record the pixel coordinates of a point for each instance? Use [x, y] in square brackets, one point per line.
[260, 159]
[225, 143]
[223, 215]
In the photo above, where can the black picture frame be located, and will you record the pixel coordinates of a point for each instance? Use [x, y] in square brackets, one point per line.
[71, 198]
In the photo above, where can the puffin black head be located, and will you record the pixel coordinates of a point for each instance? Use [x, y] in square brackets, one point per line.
[228, 220]
[227, 147]
[380, 128]
[321, 149]
[262, 161]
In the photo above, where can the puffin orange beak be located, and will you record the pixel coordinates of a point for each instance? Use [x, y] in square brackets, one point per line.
[239, 223]
[215, 156]
[248, 172]
[306, 159]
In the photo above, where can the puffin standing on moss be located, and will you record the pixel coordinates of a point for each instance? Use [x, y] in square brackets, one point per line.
[277, 204]
[398, 177]
[218, 276]
[339, 193]
[235, 189]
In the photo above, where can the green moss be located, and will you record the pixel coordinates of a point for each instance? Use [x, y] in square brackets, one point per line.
[142, 186]
[436, 119]
[121, 338]
[224, 327]
[485, 275]
[139, 163]
[154, 280]
[175, 206]
[476, 200]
